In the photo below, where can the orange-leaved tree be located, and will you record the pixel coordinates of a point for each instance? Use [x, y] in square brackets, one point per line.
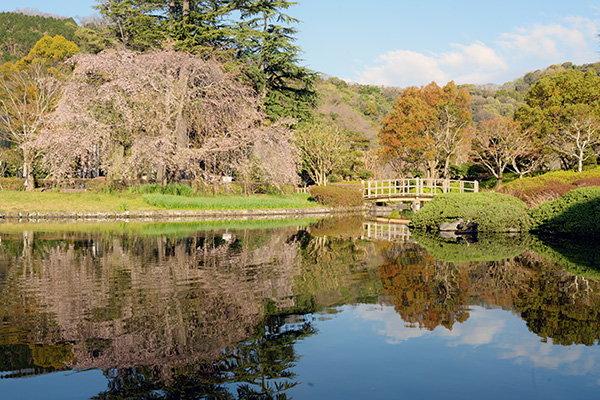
[427, 129]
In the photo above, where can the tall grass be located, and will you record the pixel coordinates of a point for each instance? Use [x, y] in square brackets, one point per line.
[175, 189]
[229, 202]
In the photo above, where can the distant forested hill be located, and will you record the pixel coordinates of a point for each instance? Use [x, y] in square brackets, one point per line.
[361, 108]
[19, 33]
[355, 108]
[488, 101]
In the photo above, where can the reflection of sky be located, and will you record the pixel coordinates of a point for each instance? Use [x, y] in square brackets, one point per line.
[369, 352]
[502, 330]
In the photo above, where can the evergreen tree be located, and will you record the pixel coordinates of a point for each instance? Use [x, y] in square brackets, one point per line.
[265, 39]
[255, 34]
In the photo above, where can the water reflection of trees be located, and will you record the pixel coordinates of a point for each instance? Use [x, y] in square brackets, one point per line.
[258, 368]
[131, 301]
[428, 293]
[126, 303]
[156, 312]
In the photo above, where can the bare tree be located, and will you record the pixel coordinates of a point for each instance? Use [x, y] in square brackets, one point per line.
[578, 137]
[498, 143]
[27, 97]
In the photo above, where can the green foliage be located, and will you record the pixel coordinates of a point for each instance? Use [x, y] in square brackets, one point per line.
[338, 195]
[575, 213]
[489, 247]
[19, 33]
[494, 212]
[353, 107]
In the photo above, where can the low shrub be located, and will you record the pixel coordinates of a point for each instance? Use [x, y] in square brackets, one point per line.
[338, 195]
[549, 185]
[494, 212]
[12, 183]
[550, 191]
[575, 213]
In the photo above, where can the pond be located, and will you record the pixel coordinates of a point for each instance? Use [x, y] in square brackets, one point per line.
[305, 309]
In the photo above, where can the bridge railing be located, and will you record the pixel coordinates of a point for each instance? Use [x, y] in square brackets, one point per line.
[416, 187]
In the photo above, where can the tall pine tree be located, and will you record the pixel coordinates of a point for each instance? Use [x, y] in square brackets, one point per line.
[256, 34]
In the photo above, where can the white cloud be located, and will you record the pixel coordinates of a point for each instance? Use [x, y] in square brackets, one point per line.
[569, 41]
[404, 68]
[475, 62]
[572, 39]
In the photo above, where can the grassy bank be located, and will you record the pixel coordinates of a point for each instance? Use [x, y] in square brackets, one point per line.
[255, 202]
[125, 201]
[88, 201]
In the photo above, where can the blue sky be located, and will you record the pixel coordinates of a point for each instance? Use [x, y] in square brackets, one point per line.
[404, 43]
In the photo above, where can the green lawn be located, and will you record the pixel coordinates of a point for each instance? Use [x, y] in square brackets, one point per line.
[124, 201]
[254, 202]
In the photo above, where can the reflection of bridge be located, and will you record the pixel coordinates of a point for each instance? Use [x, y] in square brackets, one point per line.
[391, 232]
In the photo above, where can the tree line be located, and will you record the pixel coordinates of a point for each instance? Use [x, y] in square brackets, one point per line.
[183, 89]
[169, 90]
[557, 126]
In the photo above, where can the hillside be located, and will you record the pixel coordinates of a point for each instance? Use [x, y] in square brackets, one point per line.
[19, 33]
[491, 100]
[355, 108]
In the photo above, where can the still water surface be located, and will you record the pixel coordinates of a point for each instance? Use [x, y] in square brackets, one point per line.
[330, 309]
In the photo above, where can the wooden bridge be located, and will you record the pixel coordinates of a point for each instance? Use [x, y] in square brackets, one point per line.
[416, 190]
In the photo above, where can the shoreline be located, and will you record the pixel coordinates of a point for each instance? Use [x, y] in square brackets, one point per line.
[174, 215]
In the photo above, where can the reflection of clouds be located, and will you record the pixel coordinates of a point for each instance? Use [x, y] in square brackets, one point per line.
[527, 349]
[503, 332]
[478, 330]
[394, 328]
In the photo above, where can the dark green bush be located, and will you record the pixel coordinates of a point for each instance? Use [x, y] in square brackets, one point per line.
[575, 213]
[494, 212]
[337, 196]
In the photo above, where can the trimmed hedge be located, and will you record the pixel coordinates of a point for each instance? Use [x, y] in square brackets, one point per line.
[338, 196]
[12, 183]
[575, 213]
[494, 212]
